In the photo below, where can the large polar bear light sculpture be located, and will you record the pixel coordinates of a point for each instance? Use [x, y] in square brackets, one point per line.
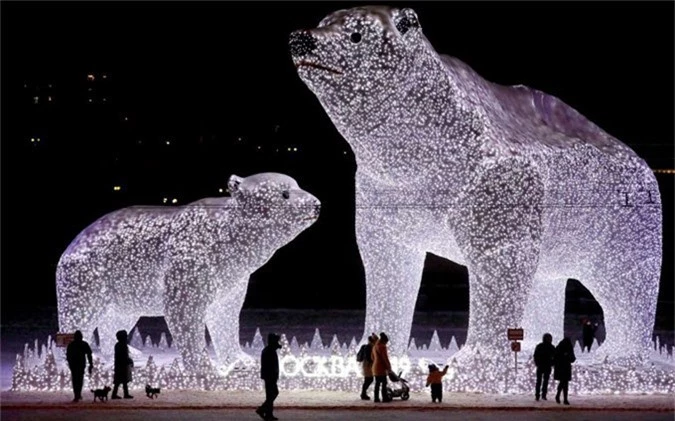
[506, 180]
[190, 264]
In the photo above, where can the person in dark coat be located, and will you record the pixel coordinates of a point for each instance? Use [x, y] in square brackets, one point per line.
[123, 365]
[544, 357]
[77, 354]
[269, 372]
[588, 335]
[367, 365]
[564, 357]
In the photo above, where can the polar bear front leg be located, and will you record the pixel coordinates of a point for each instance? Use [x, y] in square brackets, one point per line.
[393, 272]
[545, 311]
[185, 310]
[500, 228]
[222, 320]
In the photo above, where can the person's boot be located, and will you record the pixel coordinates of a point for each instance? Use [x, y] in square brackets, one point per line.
[260, 411]
[126, 392]
[557, 397]
[364, 394]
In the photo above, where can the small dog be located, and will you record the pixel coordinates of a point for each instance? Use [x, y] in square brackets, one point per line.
[101, 394]
[152, 392]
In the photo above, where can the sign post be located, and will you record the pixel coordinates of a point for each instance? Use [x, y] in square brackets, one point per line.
[515, 335]
[63, 339]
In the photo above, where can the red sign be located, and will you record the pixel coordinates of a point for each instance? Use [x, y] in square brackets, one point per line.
[63, 339]
[515, 334]
[515, 346]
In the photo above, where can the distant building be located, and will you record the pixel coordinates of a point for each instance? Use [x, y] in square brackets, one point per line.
[98, 88]
[38, 93]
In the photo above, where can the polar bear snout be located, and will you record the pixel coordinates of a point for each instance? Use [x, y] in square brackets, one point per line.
[301, 43]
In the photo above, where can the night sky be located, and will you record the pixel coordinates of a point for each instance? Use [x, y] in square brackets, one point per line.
[185, 94]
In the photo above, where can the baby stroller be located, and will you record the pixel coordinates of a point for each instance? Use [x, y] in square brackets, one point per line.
[397, 387]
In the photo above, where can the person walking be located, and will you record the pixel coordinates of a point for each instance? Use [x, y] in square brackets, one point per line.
[78, 353]
[381, 367]
[564, 357]
[365, 357]
[544, 357]
[269, 372]
[123, 366]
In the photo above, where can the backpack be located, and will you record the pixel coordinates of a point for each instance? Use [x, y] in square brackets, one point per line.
[361, 355]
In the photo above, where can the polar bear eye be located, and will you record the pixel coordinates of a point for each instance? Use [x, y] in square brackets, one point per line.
[355, 37]
[286, 194]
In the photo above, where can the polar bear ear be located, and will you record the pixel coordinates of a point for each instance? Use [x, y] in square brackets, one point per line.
[233, 184]
[407, 21]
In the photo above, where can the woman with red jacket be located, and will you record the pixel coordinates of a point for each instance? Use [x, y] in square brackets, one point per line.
[381, 367]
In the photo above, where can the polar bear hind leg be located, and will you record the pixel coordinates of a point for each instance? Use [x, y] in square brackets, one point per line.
[628, 296]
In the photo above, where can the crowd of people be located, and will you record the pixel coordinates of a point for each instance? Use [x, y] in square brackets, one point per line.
[372, 355]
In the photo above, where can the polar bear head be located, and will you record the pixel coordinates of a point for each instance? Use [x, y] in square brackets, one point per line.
[372, 70]
[275, 204]
[359, 54]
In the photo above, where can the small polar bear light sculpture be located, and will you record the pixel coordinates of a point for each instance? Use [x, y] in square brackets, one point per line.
[190, 264]
[506, 180]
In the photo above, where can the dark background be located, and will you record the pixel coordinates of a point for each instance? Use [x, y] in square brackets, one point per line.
[215, 81]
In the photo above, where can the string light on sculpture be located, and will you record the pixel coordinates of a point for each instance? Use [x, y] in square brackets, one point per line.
[190, 264]
[44, 368]
[506, 180]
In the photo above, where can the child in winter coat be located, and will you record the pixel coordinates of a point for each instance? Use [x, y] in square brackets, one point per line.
[435, 379]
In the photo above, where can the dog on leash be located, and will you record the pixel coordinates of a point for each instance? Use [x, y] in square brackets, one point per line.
[101, 394]
[152, 392]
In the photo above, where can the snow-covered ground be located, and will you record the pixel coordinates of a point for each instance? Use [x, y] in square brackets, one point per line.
[174, 399]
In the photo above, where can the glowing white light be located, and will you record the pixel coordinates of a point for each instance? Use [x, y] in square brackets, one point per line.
[117, 188]
[44, 368]
[174, 200]
[508, 181]
[220, 190]
[164, 200]
[190, 264]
